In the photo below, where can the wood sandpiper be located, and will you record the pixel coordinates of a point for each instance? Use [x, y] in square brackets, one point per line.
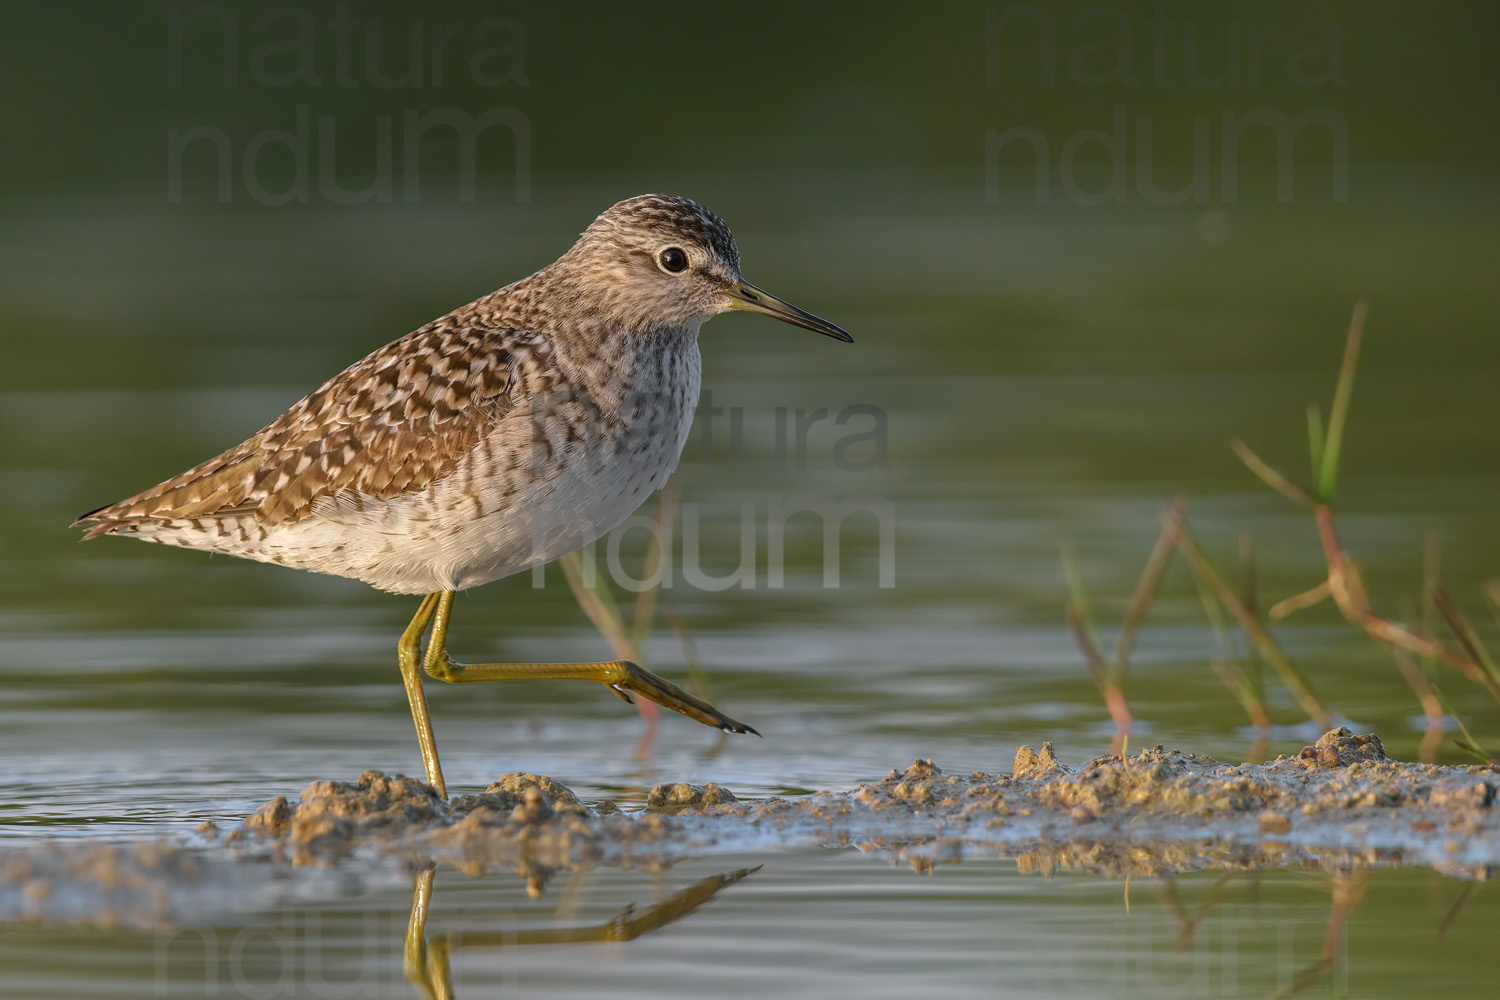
[509, 432]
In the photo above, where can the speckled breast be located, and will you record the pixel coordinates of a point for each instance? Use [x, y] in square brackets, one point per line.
[570, 467]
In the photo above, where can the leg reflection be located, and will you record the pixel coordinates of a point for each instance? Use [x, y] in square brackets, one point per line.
[426, 959]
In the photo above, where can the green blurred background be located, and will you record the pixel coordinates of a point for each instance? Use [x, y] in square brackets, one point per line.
[1057, 350]
[1051, 368]
[610, 88]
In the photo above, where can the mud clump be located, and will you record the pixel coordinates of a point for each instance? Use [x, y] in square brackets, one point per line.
[512, 790]
[332, 816]
[675, 798]
[1155, 782]
[1340, 748]
[1030, 764]
[272, 819]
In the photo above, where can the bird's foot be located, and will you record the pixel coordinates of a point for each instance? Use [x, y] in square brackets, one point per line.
[629, 677]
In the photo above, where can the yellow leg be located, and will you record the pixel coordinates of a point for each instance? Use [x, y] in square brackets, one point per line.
[426, 967]
[620, 676]
[407, 651]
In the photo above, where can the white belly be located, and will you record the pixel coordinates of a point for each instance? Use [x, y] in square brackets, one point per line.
[515, 502]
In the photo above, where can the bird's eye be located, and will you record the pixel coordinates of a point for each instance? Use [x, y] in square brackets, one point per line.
[673, 259]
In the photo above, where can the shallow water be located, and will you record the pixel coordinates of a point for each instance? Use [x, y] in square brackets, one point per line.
[811, 923]
[1046, 376]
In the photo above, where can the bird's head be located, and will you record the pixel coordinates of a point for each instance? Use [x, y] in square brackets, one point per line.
[659, 261]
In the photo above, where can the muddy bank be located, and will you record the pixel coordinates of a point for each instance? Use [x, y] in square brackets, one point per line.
[1340, 803]
[1157, 808]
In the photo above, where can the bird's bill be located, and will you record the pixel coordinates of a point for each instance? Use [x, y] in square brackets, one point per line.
[746, 297]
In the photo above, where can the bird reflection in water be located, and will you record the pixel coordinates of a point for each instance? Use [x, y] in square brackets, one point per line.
[427, 956]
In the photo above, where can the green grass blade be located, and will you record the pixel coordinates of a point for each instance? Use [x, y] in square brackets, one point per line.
[1216, 617]
[1244, 691]
[1078, 595]
[697, 677]
[1145, 590]
[1333, 441]
[1098, 669]
[1474, 748]
[1315, 438]
[1295, 680]
[645, 602]
[599, 604]
[1467, 637]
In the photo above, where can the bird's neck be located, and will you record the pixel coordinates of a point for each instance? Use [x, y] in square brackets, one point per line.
[582, 318]
[598, 349]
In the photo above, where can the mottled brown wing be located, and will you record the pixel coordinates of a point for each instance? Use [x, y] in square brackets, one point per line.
[390, 424]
